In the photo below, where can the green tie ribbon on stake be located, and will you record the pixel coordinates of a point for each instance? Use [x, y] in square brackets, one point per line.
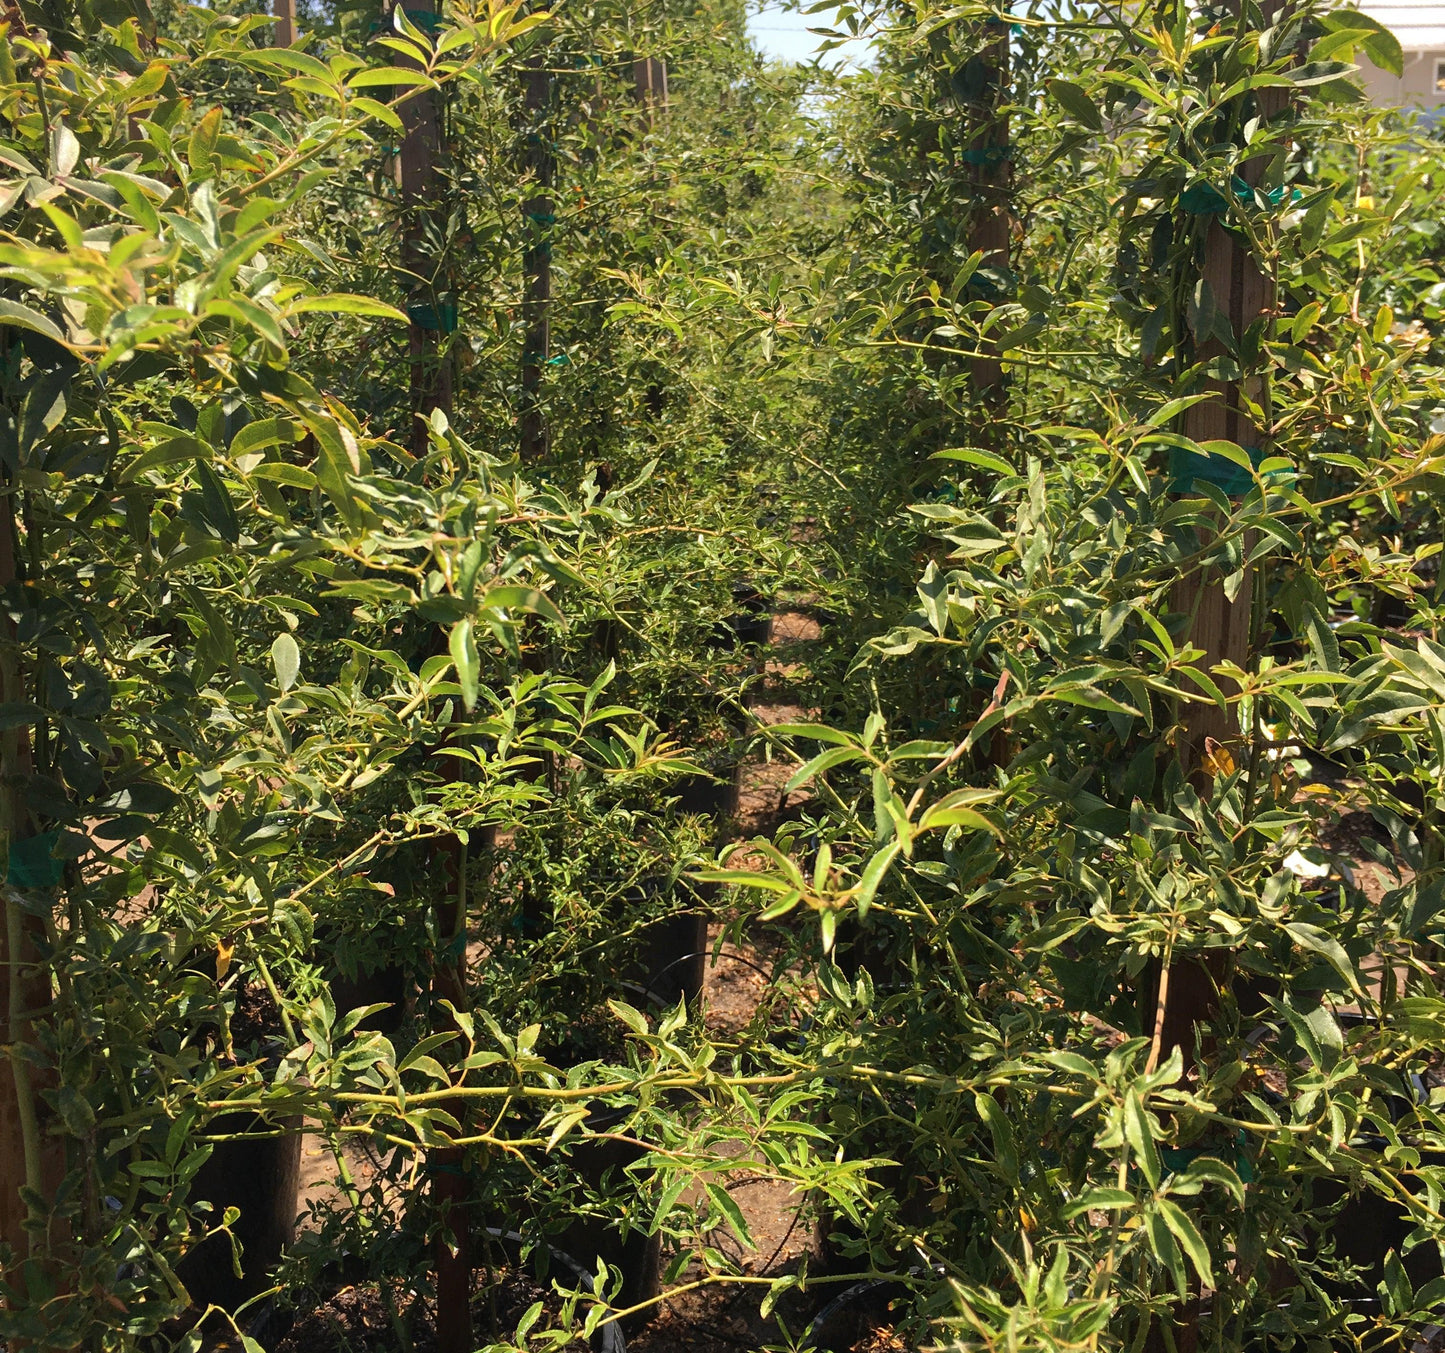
[434, 318]
[1202, 198]
[988, 156]
[1229, 477]
[33, 864]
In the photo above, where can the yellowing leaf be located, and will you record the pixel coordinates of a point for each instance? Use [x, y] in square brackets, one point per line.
[1217, 759]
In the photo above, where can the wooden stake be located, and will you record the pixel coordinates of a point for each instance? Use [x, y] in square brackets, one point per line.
[430, 314]
[450, 1188]
[26, 1159]
[990, 171]
[649, 79]
[538, 215]
[1221, 624]
[285, 30]
[431, 389]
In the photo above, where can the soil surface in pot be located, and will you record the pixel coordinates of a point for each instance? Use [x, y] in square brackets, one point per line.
[359, 1319]
[881, 1339]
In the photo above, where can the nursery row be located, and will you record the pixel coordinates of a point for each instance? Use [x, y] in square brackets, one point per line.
[654, 698]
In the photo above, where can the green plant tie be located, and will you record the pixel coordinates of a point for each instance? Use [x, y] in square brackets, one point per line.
[33, 863]
[987, 155]
[1204, 199]
[436, 319]
[1231, 479]
[1176, 1158]
[446, 1167]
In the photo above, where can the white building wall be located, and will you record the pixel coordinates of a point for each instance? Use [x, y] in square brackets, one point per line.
[1415, 87]
[1419, 25]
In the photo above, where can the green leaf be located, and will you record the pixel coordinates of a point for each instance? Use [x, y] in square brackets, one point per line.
[343, 303]
[390, 77]
[819, 732]
[1005, 1151]
[514, 598]
[834, 756]
[201, 148]
[286, 659]
[1190, 1241]
[969, 455]
[667, 1202]
[1140, 1136]
[632, 1018]
[726, 1205]
[1164, 1249]
[1317, 941]
[23, 317]
[1212, 1170]
[873, 875]
[463, 646]
[262, 433]
[1100, 1200]
[1077, 104]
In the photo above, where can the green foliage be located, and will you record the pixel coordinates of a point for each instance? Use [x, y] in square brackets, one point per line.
[286, 697]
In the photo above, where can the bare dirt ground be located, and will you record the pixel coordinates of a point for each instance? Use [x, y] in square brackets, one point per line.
[726, 1318]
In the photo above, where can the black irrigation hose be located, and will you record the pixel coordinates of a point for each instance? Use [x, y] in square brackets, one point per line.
[704, 953]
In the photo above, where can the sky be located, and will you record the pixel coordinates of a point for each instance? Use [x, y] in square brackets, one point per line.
[783, 35]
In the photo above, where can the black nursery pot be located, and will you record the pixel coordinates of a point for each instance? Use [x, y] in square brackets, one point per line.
[260, 1176]
[587, 1239]
[372, 986]
[751, 623]
[670, 955]
[606, 1338]
[673, 959]
[1369, 1226]
[712, 794]
[845, 1320]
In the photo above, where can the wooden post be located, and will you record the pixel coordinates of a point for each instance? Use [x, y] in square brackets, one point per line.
[1185, 993]
[432, 317]
[1221, 624]
[27, 1159]
[539, 215]
[990, 171]
[285, 31]
[450, 1189]
[431, 313]
[649, 79]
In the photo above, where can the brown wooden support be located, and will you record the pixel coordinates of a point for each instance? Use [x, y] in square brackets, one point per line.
[649, 81]
[990, 172]
[29, 1157]
[539, 213]
[430, 313]
[1220, 624]
[284, 33]
[432, 317]
[450, 1187]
